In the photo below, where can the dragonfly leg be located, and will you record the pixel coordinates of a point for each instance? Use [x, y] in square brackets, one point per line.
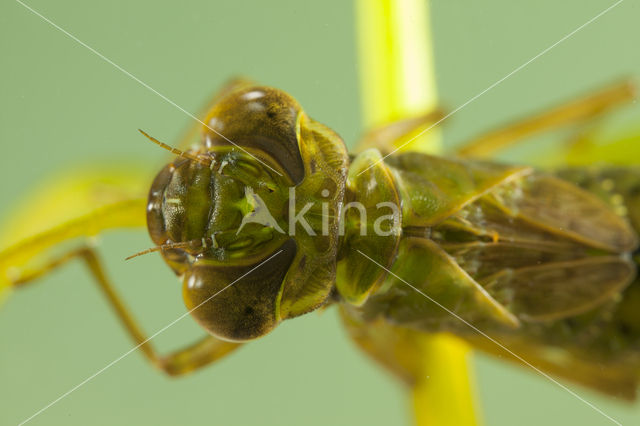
[575, 111]
[388, 136]
[182, 361]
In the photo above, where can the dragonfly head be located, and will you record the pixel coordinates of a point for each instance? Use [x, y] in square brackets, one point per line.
[222, 214]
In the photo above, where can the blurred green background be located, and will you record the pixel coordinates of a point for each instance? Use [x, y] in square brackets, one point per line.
[61, 105]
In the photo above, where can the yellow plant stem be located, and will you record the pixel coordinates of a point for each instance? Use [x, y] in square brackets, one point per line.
[396, 65]
[397, 80]
[446, 395]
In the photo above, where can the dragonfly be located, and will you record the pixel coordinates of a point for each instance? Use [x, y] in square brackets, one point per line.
[268, 217]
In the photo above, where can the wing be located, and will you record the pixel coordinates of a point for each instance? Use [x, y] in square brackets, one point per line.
[434, 188]
[544, 248]
[429, 291]
[561, 263]
[614, 379]
[560, 290]
[563, 209]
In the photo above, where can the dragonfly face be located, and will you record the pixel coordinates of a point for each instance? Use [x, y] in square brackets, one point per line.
[224, 208]
[203, 205]
[206, 205]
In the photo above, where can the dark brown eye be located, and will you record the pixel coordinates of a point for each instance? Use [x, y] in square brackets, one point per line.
[238, 302]
[259, 118]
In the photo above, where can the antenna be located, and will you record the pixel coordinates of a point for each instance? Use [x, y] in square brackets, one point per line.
[160, 248]
[195, 243]
[176, 151]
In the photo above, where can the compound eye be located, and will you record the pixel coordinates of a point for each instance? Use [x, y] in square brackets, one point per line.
[238, 302]
[259, 118]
